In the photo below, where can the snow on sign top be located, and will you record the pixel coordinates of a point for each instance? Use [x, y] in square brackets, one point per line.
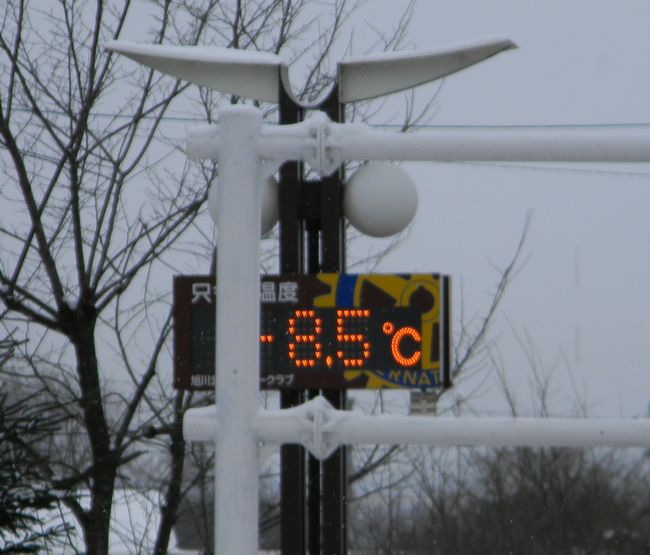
[240, 72]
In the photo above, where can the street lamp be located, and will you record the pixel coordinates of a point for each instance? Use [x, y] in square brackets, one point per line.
[378, 201]
[260, 75]
[269, 209]
[248, 152]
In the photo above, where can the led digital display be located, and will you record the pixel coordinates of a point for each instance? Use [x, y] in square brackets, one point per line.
[351, 331]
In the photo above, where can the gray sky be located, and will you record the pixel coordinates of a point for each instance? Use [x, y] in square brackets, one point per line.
[583, 296]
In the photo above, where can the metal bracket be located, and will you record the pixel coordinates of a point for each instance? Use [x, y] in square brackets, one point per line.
[321, 419]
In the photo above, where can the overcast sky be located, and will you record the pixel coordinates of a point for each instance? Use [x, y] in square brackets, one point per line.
[583, 295]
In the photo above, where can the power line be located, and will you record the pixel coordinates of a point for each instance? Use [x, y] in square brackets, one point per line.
[523, 126]
[550, 169]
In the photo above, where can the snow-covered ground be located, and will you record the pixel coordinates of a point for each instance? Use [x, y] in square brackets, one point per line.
[134, 527]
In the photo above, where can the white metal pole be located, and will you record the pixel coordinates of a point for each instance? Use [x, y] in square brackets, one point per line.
[238, 306]
[499, 145]
[492, 432]
[321, 428]
[325, 145]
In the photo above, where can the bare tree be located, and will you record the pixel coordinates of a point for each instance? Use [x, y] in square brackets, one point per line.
[511, 500]
[97, 199]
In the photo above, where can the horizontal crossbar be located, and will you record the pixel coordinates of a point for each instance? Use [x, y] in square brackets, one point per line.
[325, 145]
[321, 429]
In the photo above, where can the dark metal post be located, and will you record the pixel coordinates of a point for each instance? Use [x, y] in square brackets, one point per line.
[310, 205]
[292, 457]
[312, 239]
[334, 475]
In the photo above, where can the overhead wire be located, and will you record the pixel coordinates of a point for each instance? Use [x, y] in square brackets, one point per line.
[546, 168]
[194, 119]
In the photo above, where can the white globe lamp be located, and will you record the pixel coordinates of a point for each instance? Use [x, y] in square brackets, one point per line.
[380, 199]
[270, 211]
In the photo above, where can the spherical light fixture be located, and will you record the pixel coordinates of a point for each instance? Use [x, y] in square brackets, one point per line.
[270, 211]
[380, 199]
[270, 205]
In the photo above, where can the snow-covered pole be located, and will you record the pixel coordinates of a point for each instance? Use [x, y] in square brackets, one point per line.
[321, 429]
[238, 309]
[325, 145]
[551, 144]
[490, 432]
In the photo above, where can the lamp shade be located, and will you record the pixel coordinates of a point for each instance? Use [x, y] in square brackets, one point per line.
[270, 210]
[380, 199]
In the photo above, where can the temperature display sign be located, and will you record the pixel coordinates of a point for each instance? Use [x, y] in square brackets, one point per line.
[351, 331]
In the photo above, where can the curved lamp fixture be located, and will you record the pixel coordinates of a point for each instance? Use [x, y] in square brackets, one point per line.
[257, 75]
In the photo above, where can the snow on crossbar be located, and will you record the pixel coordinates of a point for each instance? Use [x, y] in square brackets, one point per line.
[321, 429]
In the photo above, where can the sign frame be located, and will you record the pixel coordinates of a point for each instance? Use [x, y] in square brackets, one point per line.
[407, 304]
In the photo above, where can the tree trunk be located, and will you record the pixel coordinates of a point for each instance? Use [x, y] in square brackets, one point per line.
[96, 524]
[173, 493]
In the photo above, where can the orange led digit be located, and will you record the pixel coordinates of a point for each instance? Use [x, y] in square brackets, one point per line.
[395, 346]
[302, 340]
[357, 340]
